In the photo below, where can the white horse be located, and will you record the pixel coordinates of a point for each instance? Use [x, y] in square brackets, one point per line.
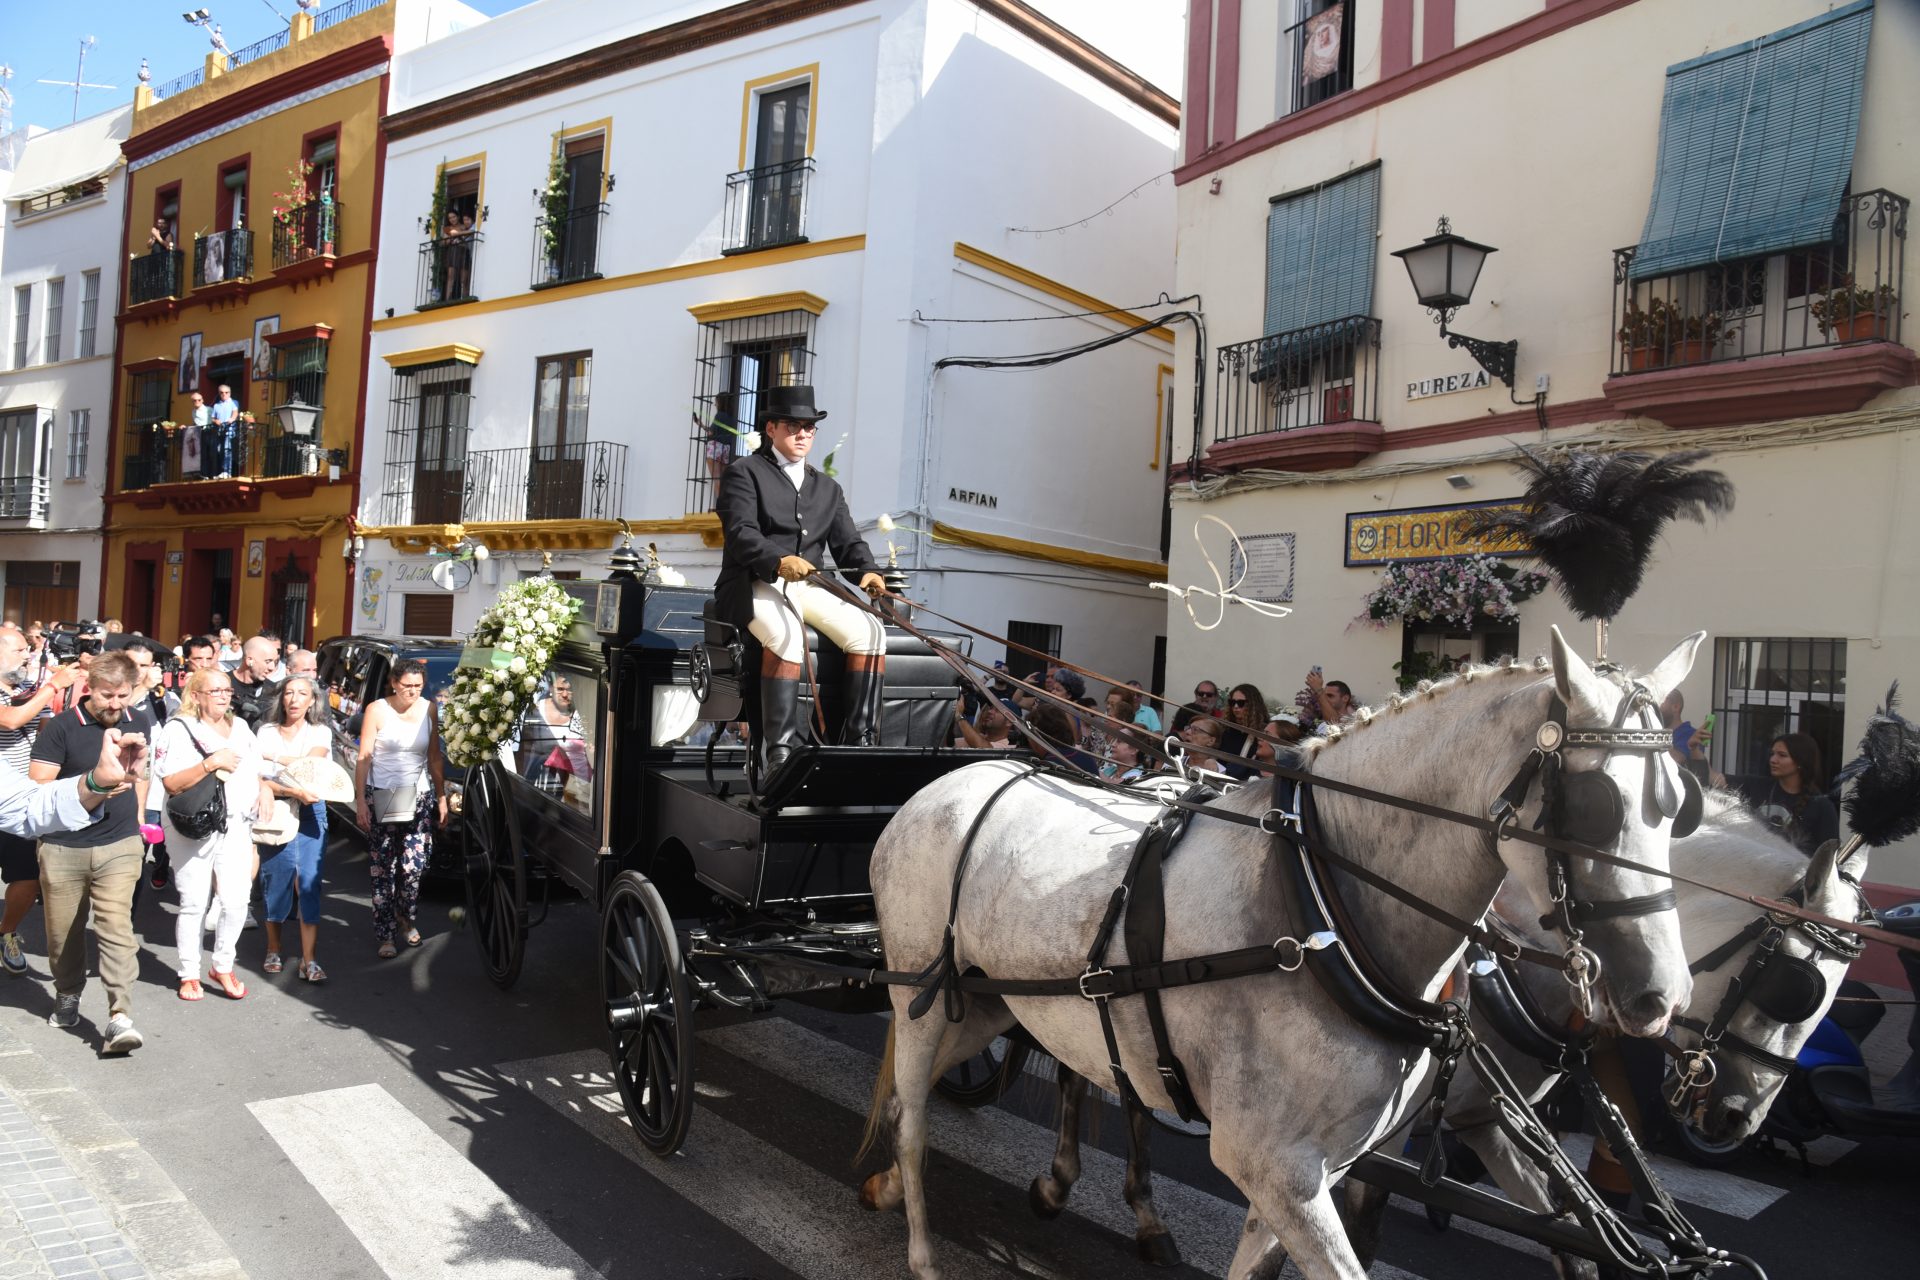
[1295, 1088]
[1732, 847]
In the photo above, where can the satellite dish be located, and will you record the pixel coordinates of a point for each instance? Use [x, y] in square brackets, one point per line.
[452, 575]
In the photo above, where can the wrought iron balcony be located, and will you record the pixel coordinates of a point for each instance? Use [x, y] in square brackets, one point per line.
[767, 206]
[446, 271]
[1323, 374]
[584, 481]
[567, 248]
[306, 232]
[222, 256]
[23, 498]
[152, 277]
[262, 451]
[1844, 291]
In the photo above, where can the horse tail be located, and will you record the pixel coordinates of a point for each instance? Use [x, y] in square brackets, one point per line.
[882, 1096]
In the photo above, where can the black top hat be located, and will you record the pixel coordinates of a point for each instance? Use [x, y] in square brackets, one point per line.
[794, 403]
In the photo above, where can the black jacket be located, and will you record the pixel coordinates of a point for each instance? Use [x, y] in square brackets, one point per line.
[763, 518]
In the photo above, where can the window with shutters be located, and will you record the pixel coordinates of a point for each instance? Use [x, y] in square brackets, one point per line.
[1316, 59]
[739, 358]
[56, 317]
[1755, 242]
[89, 312]
[79, 428]
[22, 318]
[425, 614]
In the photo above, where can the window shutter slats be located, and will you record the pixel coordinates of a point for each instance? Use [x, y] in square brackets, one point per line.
[1321, 246]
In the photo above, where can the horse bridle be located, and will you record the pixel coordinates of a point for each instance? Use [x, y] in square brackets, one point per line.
[1785, 988]
[1586, 806]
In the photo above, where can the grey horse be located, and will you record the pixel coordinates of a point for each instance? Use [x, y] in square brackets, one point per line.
[1296, 1089]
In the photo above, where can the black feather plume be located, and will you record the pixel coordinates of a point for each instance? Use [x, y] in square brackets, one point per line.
[1884, 804]
[1592, 517]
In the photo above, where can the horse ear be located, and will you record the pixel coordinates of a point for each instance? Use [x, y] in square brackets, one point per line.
[1673, 668]
[1573, 679]
[1819, 873]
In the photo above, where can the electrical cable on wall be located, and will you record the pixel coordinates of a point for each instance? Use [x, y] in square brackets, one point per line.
[1065, 227]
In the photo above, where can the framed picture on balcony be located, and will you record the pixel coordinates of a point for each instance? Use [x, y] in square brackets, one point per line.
[262, 353]
[190, 347]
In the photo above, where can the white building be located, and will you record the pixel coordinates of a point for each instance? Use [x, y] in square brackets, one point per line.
[1701, 216]
[59, 274]
[696, 201]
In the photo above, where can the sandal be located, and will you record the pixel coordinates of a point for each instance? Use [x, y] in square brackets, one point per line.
[310, 971]
[273, 963]
[190, 989]
[388, 951]
[413, 938]
[230, 986]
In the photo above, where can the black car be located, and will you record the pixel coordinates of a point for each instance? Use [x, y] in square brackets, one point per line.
[353, 671]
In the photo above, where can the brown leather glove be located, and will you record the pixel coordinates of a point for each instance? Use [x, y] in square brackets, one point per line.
[872, 583]
[795, 568]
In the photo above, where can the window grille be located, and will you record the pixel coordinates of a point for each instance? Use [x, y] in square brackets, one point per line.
[56, 317]
[22, 314]
[1315, 72]
[89, 312]
[736, 361]
[429, 408]
[1766, 687]
[79, 428]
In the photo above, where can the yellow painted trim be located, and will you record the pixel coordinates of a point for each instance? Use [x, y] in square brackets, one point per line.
[809, 73]
[537, 535]
[456, 166]
[637, 280]
[944, 532]
[604, 126]
[742, 308]
[1161, 390]
[1053, 288]
[434, 355]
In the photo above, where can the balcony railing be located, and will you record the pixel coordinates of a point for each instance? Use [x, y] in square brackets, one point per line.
[153, 276]
[1847, 290]
[259, 48]
[341, 12]
[767, 206]
[567, 248]
[308, 231]
[180, 84]
[546, 482]
[1325, 373]
[224, 255]
[262, 452]
[446, 271]
[23, 498]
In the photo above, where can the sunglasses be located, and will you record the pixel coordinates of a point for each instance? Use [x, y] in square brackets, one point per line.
[1206, 693]
[801, 428]
[1236, 702]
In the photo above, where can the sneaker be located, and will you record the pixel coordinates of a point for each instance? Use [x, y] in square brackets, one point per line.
[12, 956]
[66, 1012]
[121, 1035]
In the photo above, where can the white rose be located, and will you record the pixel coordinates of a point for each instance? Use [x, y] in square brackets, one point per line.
[530, 684]
[518, 666]
[539, 615]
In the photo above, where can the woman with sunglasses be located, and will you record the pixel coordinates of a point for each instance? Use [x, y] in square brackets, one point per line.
[1246, 716]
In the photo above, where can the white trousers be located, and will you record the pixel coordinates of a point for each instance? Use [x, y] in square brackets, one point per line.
[850, 628]
[225, 858]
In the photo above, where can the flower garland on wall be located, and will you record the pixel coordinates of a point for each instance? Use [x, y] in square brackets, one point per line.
[510, 649]
[1460, 591]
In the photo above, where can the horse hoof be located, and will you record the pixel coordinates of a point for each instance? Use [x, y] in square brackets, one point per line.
[1159, 1251]
[1038, 1202]
[870, 1191]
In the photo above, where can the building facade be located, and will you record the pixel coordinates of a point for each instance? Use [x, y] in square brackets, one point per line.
[578, 308]
[59, 271]
[249, 239]
[1700, 214]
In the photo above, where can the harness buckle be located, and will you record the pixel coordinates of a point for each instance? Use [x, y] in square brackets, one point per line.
[1291, 819]
[1090, 976]
[1314, 942]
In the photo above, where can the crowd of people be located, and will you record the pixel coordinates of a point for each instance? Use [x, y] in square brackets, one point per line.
[232, 793]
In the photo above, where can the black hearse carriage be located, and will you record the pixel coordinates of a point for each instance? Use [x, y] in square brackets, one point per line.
[707, 896]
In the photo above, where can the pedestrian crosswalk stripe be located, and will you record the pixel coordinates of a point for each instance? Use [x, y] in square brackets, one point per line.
[1712, 1189]
[411, 1200]
[806, 1221]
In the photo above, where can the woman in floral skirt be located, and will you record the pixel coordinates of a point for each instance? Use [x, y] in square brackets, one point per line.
[399, 755]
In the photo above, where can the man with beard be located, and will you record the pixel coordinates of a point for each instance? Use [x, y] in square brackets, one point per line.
[26, 693]
[100, 863]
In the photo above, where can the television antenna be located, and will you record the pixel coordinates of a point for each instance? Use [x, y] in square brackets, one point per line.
[79, 80]
[6, 100]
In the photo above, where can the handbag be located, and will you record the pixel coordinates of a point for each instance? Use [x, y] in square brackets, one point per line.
[395, 804]
[201, 809]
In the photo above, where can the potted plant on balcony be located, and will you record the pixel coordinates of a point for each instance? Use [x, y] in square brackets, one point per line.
[553, 208]
[1694, 337]
[1848, 313]
[290, 212]
[1644, 334]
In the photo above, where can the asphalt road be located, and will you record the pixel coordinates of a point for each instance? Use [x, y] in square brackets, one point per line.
[408, 1119]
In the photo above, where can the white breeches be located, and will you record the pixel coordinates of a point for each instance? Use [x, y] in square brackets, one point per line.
[848, 627]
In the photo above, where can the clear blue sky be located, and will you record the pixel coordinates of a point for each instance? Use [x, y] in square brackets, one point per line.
[40, 40]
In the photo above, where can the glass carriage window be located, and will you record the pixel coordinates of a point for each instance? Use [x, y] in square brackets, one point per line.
[556, 744]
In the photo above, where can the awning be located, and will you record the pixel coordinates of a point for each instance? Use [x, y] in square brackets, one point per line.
[1320, 252]
[65, 157]
[1756, 145]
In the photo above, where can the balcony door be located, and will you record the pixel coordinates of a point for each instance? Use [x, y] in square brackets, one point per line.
[440, 451]
[556, 476]
[780, 144]
[580, 238]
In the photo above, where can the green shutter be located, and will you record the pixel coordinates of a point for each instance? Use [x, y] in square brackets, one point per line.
[1321, 246]
[1756, 145]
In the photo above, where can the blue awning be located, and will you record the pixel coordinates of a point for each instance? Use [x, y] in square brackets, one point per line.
[1756, 145]
[1320, 252]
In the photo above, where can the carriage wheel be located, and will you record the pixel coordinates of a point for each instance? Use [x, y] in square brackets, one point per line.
[986, 1076]
[496, 876]
[649, 1008]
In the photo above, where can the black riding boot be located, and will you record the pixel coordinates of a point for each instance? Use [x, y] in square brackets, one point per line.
[866, 674]
[779, 711]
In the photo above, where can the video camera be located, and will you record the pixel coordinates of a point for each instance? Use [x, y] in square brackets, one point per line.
[64, 644]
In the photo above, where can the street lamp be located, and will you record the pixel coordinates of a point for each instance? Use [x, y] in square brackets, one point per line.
[1444, 268]
[297, 417]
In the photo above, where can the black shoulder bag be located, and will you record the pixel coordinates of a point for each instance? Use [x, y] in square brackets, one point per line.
[201, 809]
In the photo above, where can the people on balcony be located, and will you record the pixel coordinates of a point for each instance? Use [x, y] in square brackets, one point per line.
[226, 431]
[160, 236]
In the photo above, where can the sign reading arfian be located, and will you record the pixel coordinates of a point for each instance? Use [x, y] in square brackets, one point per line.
[1425, 533]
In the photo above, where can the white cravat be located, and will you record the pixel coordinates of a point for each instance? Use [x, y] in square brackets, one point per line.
[795, 468]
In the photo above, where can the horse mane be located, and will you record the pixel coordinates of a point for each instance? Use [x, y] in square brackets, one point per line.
[1747, 851]
[1427, 690]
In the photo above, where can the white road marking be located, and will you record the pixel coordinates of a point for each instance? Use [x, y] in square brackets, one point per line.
[414, 1202]
[803, 1219]
[1708, 1188]
[1829, 1148]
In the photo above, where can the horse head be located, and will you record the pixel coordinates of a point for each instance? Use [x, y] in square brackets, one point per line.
[1760, 1030]
[1622, 934]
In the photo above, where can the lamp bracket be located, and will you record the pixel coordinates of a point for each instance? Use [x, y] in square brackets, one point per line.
[1497, 358]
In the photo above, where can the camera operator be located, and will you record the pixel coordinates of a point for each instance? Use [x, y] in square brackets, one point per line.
[26, 693]
[100, 862]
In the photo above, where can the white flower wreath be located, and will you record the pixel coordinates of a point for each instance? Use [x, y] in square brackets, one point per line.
[514, 643]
